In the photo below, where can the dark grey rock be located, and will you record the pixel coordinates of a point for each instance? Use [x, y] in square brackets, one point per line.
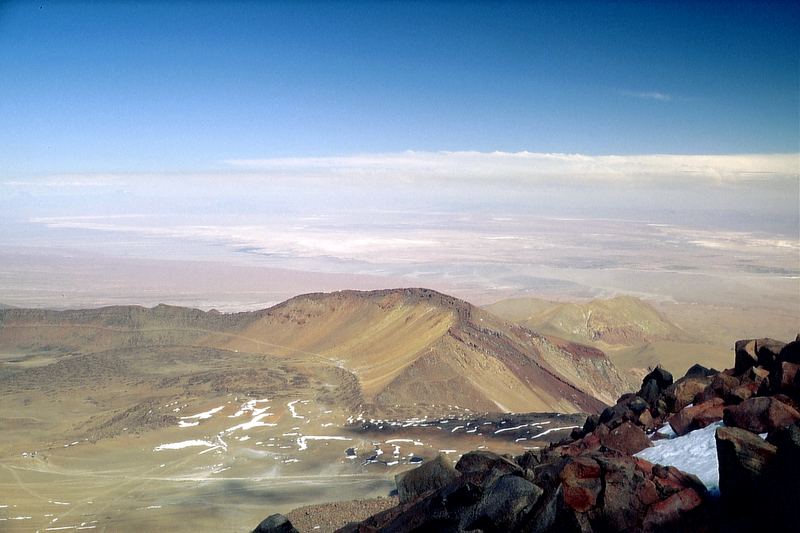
[276, 523]
[429, 476]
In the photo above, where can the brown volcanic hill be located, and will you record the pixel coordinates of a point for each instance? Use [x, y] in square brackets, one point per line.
[406, 347]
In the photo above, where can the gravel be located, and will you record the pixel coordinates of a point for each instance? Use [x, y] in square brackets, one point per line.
[328, 517]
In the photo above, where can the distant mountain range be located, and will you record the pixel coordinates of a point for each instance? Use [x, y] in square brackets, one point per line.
[619, 321]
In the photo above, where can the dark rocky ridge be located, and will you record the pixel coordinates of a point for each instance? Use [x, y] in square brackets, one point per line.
[592, 482]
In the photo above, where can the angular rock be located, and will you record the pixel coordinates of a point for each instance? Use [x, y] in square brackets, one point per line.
[740, 394]
[581, 483]
[646, 420]
[591, 423]
[791, 352]
[504, 504]
[744, 461]
[616, 415]
[674, 513]
[768, 351]
[721, 386]
[621, 508]
[662, 377]
[429, 476]
[276, 523]
[697, 416]
[787, 379]
[682, 393]
[544, 516]
[626, 438]
[637, 405]
[650, 392]
[484, 467]
[699, 371]
[745, 356]
[759, 415]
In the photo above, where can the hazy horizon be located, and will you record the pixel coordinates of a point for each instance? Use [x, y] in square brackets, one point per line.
[564, 151]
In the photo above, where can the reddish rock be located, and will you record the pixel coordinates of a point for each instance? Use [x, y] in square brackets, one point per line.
[721, 386]
[759, 415]
[670, 480]
[682, 393]
[626, 438]
[581, 483]
[741, 393]
[663, 515]
[646, 420]
[697, 416]
[786, 378]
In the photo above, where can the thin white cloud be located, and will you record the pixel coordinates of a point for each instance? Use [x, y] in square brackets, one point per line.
[537, 167]
[648, 95]
[66, 181]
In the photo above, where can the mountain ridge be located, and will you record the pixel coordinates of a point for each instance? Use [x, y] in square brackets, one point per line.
[405, 346]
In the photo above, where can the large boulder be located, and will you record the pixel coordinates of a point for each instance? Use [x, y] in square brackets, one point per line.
[650, 392]
[722, 385]
[673, 514]
[626, 438]
[682, 392]
[791, 352]
[768, 351]
[759, 415]
[745, 356]
[581, 483]
[746, 468]
[697, 416]
[276, 523]
[616, 492]
[504, 504]
[429, 476]
[484, 467]
[743, 458]
[662, 377]
[699, 371]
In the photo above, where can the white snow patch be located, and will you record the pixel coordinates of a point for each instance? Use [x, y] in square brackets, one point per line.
[414, 442]
[293, 410]
[510, 429]
[250, 406]
[254, 422]
[545, 432]
[185, 424]
[695, 453]
[184, 444]
[206, 414]
[302, 442]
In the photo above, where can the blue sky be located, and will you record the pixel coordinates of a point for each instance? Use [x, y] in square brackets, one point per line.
[146, 87]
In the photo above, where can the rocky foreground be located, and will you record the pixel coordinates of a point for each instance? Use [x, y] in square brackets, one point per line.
[592, 481]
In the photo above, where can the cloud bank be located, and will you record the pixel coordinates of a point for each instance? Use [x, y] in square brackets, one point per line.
[538, 167]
